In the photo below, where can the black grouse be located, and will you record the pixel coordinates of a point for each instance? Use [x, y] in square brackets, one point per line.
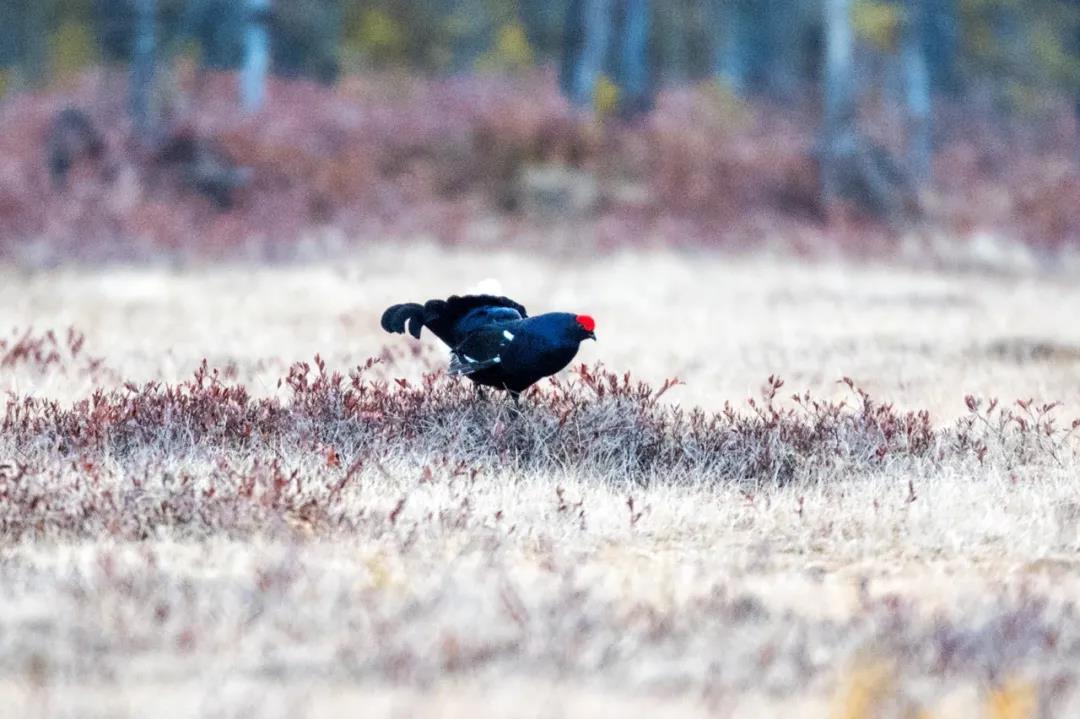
[493, 340]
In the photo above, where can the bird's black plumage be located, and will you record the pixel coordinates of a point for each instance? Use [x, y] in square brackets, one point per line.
[451, 319]
[492, 339]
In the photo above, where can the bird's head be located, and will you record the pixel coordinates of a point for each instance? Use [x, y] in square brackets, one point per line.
[586, 327]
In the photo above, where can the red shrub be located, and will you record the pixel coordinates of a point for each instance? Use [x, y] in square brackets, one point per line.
[383, 156]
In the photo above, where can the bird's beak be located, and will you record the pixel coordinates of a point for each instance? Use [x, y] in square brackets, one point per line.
[592, 336]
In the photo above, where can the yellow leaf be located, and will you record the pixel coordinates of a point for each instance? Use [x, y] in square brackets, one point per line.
[513, 45]
[71, 48]
[381, 35]
[511, 51]
[877, 22]
[605, 96]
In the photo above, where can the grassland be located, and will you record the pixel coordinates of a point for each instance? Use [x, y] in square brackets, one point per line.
[310, 547]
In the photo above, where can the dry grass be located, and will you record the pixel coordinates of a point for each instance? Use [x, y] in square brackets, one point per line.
[328, 566]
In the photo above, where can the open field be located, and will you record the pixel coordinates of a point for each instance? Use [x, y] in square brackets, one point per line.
[309, 552]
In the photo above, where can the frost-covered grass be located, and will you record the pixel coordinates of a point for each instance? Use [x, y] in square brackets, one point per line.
[266, 538]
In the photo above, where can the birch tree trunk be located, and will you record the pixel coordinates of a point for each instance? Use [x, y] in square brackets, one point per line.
[783, 30]
[587, 37]
[143, 61]
[839, 111]
[918, 97]
[256, 55]
[634, 71]
[729, 56]
[941, 43]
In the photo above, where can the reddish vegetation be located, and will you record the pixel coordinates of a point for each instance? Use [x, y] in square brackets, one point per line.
[381, 157]
[26, 348]
[598, 424]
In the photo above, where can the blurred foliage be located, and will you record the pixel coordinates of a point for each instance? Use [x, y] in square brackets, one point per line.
[71, 48]
[1026, 48]
[606, 96]
[437, 35]
[1026, 52]
[512, 51]
[707, 158]
[376, 33]
[305, 39]
[707, 167]
[879, 23]
[728, 109]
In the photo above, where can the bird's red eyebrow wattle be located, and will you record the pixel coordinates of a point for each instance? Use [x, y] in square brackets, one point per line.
[587, 323]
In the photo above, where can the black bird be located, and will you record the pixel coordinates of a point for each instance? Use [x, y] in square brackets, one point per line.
[492, 340]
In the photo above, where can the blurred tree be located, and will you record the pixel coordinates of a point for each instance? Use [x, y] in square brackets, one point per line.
[633, 74]
[589, 50]
[305, 35]
[672, 41]
[23, 37]
[771, 46]
[585, 48]
[854, 169]
[304, 38]
[1017, 51]
[257, 51]
[784, 29]
[731, 63]
[9, 34]
[116, 25]
[917, 82]
[1024, 54]
[217, 28]
[839, 94]
[143, 61]
[34, 41]
[413, 33]
[1076, 51]
[940, 42]
[543, 21]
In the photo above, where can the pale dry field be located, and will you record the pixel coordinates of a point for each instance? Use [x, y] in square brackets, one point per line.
[931, 589]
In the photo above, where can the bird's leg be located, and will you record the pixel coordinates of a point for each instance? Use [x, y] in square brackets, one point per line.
[516, 396]
[480, 394]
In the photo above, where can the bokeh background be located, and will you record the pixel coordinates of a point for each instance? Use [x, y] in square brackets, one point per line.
[821, 461]
[938, 131]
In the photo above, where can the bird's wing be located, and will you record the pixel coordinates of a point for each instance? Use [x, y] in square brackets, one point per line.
[481, 349]
[451, 320]
[454, 318]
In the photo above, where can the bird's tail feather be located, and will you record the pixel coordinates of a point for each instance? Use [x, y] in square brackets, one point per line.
[405, 317]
